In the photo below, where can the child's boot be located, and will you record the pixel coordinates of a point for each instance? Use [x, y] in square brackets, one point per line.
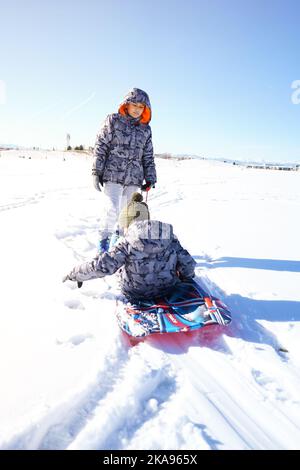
[103, 245]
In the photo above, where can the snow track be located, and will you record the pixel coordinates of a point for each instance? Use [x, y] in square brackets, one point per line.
[71, 380]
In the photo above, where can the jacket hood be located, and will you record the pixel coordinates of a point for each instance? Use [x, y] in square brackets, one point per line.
[136, 95]
[149, 236]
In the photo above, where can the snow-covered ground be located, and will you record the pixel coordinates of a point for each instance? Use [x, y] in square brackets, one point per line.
[69, 379]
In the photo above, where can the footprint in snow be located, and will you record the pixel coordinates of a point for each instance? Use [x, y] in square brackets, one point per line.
[75, 340]
[74, 304]
[270, 385]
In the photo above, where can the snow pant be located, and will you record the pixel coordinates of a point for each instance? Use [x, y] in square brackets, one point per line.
[115, 197]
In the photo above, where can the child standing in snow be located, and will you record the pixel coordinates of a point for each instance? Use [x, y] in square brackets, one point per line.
[123, 159]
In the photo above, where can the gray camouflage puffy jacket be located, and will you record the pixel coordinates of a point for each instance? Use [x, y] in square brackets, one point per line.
[150, 257]
[123, 150]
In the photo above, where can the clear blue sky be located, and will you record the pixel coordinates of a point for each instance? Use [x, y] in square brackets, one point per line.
[218, 72]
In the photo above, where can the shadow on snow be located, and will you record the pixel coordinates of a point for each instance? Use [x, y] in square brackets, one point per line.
[246, 313]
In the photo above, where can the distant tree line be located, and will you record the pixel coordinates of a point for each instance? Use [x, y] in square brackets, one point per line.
[79, 147]
[169, 156]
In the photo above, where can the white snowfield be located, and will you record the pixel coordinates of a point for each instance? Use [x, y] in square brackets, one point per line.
[69, 379]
